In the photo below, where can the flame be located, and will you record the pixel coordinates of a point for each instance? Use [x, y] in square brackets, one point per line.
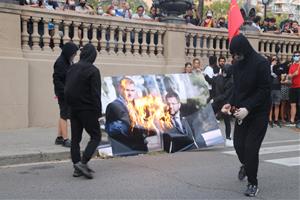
[149, 113]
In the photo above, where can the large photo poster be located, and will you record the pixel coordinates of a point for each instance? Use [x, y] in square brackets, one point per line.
[158, 112]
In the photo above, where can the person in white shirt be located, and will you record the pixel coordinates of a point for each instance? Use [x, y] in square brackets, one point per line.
[140, 15]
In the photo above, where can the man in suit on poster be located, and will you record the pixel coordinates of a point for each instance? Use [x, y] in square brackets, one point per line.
[118, 123]
[180, 137]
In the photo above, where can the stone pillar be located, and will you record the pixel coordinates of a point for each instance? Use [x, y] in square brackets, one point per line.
[174, 48]
[14, 73]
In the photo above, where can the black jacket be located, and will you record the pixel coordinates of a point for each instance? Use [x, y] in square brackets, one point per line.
[222, 87]
[83, 83]
[251, 77]
[61, 66]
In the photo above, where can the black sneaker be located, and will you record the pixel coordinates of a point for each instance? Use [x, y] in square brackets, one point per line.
[271, 124]
[242, 173]
[277, 124]
[84, 169]
[59, 140]
[251, 190]
[77, 173]
[66, 143]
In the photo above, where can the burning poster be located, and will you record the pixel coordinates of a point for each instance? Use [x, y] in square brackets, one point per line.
[152, 112]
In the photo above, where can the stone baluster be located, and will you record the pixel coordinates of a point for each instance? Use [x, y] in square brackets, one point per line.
[56, 36]
[272, 48]
[103, 41]
[35, 35]
[191, 48]
[210, 49]
[197, 48]
[66, 37]
[120, 41]
[152, 45]
[46, 36]
[136, 44]
[128, 44]
[25, 35]
[94, 40]
[85, 38]
[75, 38]
[112, 43]
[144, 43]
[159, 44]
[218, 49]
[224, 50]
[204, 48]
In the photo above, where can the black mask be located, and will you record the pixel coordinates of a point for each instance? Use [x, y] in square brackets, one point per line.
[82, 4]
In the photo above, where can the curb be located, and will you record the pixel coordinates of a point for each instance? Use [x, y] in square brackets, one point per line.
[32, 158]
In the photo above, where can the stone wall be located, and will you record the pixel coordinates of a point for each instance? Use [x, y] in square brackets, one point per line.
[124, 48]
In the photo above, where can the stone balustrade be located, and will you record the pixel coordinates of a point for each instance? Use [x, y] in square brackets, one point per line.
[31, 40]
[114, 37]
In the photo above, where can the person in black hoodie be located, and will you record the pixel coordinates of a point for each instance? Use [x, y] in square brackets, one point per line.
[222, 86]
[61, 66]
[250, 104]
[83, 95]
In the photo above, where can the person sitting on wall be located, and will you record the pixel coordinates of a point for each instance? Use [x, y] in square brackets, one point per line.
[118, 123]
[180, 136]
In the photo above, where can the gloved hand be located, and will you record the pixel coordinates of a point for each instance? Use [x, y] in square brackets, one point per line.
[241, 113]
[211, 101]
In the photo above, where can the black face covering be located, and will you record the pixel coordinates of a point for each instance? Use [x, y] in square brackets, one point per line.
[240, 47]
[82, 4]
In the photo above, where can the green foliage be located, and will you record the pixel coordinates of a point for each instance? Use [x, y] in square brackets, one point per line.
[220, 8]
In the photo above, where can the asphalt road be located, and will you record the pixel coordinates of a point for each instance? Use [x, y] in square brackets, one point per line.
[205, 174]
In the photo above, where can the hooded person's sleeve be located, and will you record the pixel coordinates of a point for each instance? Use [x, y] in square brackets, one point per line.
[263, 87]
[96, 90]
[58, 79]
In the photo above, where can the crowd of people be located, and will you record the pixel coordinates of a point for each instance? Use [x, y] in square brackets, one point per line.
[122, 9]
[285, 89]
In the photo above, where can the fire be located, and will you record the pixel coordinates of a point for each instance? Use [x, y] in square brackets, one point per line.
[150, 113]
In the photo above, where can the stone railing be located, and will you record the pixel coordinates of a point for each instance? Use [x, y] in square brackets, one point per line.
[44, 30]
[30, 41]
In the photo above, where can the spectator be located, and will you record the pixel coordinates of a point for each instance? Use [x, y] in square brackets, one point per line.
[275, 91]
[190, 19]
[286, 28]
[53, 4]
[295, 27]
[265, 26]
[285, 83]
[221, 23]
[294, 93]
[84, 8]
[256, 22]
[209, 21]
[127, 12]
[188, 68]
[272, 25]
[209, 72]
[197, 66]
[140, 15]
[222, 62]
[154, 14]
[69, 5]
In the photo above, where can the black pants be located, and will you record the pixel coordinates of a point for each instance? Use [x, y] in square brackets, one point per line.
[217, 109]
[87, 120]
[247, 141]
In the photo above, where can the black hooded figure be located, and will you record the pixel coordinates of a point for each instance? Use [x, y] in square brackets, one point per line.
[250, 104]
[61, 66]
[83, 96]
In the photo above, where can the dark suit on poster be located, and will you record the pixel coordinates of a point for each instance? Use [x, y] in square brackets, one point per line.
[179, 137]
[118, 128]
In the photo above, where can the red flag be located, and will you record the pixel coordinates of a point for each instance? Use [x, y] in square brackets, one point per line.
[235, 20]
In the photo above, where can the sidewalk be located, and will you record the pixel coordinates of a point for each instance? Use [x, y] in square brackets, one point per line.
[37, 144]
[33, 145]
